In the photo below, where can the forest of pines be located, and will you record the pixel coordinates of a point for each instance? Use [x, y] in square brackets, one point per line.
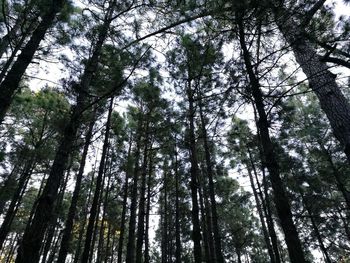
[184, 131]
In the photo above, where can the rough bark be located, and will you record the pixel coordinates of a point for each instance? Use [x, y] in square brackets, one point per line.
[321, 80]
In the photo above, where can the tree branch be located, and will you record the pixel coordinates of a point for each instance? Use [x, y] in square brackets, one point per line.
[311, 12]
[338, 61]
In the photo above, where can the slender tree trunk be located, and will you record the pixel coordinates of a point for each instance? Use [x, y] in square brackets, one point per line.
[101, 238]
[67, 232]
[16, 200]
[239, 259]
[53, 222]
[345, 223]
[315, 227]
[177, 210]
[4, 197]
[148, 209]
[205, 232]
[107, 250]
[164, 217]
[269, 230]
[125, 200]
[142, 202]
[99, 179]
[10, 83]
[283, 208]
[77, 253]
[340, 184]
[214, 215]
[268, 214]
[321, 80]
[112, 248]
[12, 250]
[30, 246]
[196, 232]
[12, 33]
[130, 250]
[9, 61]
[53, 250]
[261, 216]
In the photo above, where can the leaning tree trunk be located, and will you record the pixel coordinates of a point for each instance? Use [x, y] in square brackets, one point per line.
[28, 250]
[265, 209]
[12, 33]
[296, 253]
[261, 216]
[54, 220]
[11, 82]
[15, 202]
[321, 80]
[314, 226]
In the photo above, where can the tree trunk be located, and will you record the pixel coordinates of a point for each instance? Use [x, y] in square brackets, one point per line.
[283, 208]
[214, 215]
[96, 198]
[205, 232]
[340, 185]
[5, 192]
[67, 232]
[321, 80]
[11, 82]
[130, 250]
[53, 222]
[11, 35]
[315, 227]
[164, 217]
[125, 201]
[196, 232]
[261, 216]
[15, 202]
[148, 209]
[177, 210]
[9, 61]
[77, 252]
[142, 202]
[30, 246]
